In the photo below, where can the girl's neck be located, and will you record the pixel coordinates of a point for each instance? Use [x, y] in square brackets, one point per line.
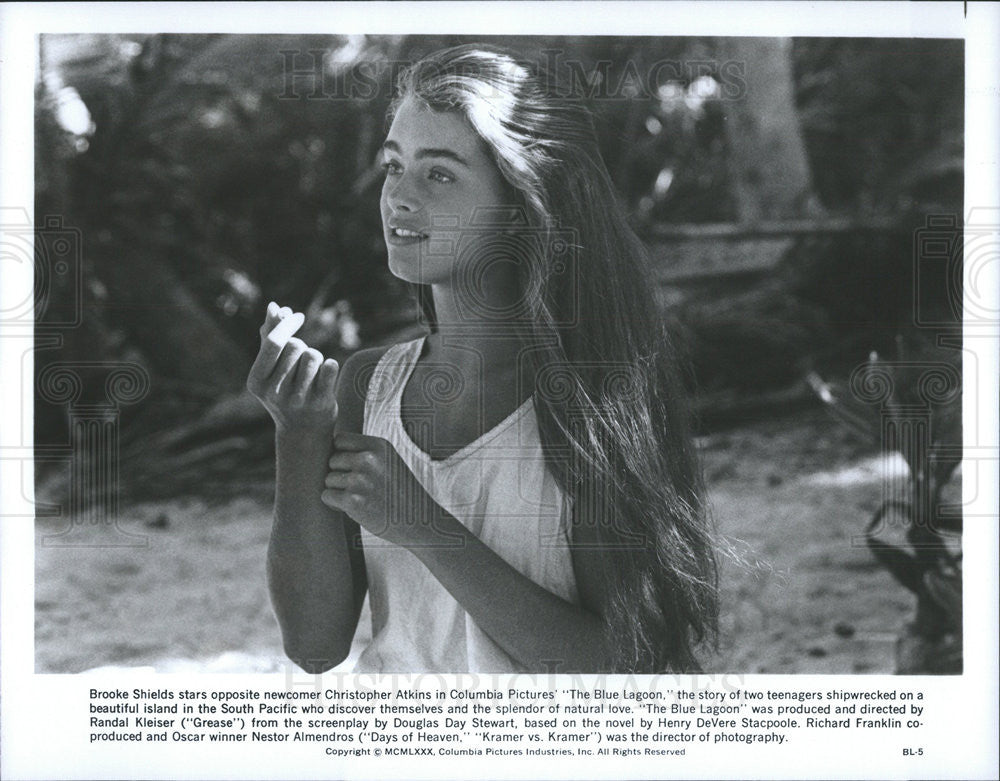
[473, 334]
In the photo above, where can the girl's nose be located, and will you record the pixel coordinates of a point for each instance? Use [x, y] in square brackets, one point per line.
[401, 195]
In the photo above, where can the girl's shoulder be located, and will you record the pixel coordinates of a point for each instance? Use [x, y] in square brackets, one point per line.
[353, 380]
[352, 386]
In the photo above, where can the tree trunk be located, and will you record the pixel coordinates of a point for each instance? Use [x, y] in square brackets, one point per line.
[768, 163]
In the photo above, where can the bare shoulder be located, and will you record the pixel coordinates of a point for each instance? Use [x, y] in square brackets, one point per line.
[352, 387]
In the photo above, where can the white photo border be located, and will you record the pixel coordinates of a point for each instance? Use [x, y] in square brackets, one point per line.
[34, 721]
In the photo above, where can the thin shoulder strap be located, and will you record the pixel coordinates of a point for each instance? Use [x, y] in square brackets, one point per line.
[387, 379]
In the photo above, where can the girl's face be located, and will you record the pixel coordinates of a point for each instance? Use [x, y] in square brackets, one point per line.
[438, 173]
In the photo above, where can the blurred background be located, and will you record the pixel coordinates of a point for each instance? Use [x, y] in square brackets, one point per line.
[801, 198]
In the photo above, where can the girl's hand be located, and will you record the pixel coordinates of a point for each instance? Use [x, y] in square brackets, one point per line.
[372, 484]
[293, 382]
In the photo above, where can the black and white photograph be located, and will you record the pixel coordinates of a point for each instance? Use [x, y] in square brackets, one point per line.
[641, 372]
[497, 354]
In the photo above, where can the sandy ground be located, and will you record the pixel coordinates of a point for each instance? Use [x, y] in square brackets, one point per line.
[179, 586]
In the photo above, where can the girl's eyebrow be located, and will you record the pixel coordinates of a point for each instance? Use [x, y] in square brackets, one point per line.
[423, 152]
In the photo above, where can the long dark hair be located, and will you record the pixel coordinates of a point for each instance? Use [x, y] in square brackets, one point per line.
[607, 381]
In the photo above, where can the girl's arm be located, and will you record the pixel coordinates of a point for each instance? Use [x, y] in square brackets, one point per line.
[534, 626]
[315, 564]
[315, 571]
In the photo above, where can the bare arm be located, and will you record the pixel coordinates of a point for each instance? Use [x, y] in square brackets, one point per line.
[536, 627]
[315, 564]
[314, 572]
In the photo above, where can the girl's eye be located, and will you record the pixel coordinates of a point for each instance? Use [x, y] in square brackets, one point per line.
[392, 168]
[441, 176]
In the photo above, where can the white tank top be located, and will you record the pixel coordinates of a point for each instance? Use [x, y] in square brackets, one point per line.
[500, 488]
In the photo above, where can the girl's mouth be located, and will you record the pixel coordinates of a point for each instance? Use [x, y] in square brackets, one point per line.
[405, 236]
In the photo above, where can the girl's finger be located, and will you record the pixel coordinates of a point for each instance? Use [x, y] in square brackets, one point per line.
[270, 319]
[285, 327]
[325, 385]
[272, 345]
[304, 373]
[344, 461]
[338, 480]
[286, 361]
[337, 499]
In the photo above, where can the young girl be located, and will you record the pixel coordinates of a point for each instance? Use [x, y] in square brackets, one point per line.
[516, 490]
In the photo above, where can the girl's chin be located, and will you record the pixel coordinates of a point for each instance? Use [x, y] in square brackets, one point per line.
[411, 270]
[410, 265]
